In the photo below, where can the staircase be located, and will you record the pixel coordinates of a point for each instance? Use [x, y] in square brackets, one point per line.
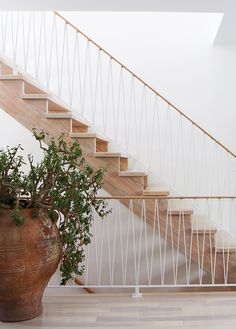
[34, 107]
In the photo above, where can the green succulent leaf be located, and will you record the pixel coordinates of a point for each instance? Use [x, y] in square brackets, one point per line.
[63, 186]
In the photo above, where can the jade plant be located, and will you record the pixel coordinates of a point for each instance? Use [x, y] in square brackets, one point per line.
[61, 185]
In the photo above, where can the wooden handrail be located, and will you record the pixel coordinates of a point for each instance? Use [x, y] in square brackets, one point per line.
[148, 197]
[147, 85]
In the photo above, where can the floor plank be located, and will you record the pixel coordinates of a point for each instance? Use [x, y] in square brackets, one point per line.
[166, 310]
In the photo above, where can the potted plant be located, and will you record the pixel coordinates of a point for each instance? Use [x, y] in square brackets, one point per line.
[46, 215]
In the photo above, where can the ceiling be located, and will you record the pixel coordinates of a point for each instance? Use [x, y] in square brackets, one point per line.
[226, 33]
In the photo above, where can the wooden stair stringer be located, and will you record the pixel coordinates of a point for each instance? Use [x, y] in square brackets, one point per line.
[30, 115]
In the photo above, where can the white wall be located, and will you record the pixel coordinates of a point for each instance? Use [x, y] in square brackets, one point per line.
[13, 133]
[174, 53]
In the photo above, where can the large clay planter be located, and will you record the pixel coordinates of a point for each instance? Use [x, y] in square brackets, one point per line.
[29, 255]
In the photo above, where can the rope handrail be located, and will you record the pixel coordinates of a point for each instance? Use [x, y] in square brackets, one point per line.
[147, 85]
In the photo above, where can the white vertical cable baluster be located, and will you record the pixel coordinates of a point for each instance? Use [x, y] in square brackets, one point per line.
[160, 243]
[115, 119]
[177, 152]
[140, 242]
[134, 246]
[38, 56]
[165, 146]
[57, 57]
[121, 245]
[184, 188]
[79, 73]
[96, 251]
[203, 250]
[139, 134]
[114, 241]
[173, 247]
[200, 181]
[51, 50]
[109, 250]
[25, 43]
[35, 46]
[61, 76]
[124, 110]
[226, 251]
[153, 240]
[87, 258]
[130, 212]
[159, 137]
[101, 90]
[172, 242]
[146, 240]
[101, 256]
[165, 240]
[171, 149]
[187, 258]
[85, 78]
[198, 249]
[46, 45]
[180, 219]
[14, 38]
[153, 129]
[69, 71]
[107, 96]
[222, 240]
[190, 162]
[216, 241]
[73, 70]
[116, 126]
[90, 78]
[131, 119]
[209, 214]
[4, 29]
[194, 162]
[96, 87]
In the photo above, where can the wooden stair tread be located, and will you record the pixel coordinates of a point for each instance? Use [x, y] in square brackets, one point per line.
[201, 225]
[88, 135]
[178, 207]
[35, 96]
[178, 212]
[53, 107]
[132, 173]
[206, 230]
[224, 242]
[11, 77]
[109, 155]
[56, 115]
[83, 135]
[156, 190]
[230, 249]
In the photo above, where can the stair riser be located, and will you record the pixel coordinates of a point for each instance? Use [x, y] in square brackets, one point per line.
[5, 69]
[78, 128]
[101, 146]
[123, 164]
[30, 89]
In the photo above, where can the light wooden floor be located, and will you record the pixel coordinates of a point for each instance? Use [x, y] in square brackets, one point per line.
[170, 310]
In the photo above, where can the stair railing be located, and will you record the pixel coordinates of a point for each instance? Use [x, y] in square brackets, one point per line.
[102, 91]
[168, 247]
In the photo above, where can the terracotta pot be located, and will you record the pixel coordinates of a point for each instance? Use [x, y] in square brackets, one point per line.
[29, 255]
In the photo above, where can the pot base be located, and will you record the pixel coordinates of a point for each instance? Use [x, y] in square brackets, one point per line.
[20, 310]
[29, 255]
